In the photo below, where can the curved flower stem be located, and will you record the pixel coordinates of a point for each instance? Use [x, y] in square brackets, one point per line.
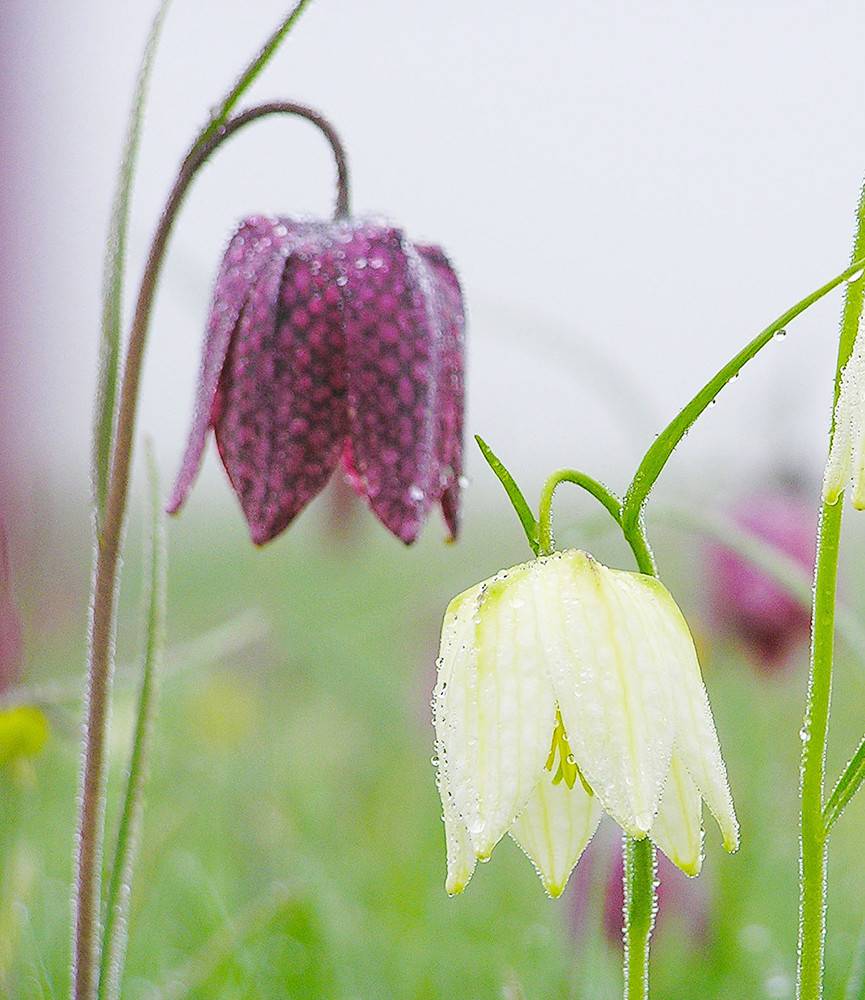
[545, 514]
[665, 443]
[815, 732]
[90, 830]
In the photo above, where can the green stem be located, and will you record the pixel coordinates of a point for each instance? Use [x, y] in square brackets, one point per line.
[813, 856]
[665, 443]
[639, 914]
[115, 931]
[545, 510]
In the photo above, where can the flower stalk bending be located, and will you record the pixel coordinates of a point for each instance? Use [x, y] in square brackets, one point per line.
[90, 829]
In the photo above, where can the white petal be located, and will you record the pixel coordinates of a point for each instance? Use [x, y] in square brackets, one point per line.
[495, 717]
[608, 676]
[456, 635]
[678, 827]
[554, 829]
[461, 857]
[846, 455]
[695, 736]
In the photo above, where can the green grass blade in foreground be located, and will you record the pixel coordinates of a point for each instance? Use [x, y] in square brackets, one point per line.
[113, 274]
[855, 988]
[665, 443]
[515, 494]
[249, 74]
[115, 932]
[848, 784]
[228, 939]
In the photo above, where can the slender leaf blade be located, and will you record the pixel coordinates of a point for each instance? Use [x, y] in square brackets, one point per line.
[848, 784]
[249, 74]
[515, 495]
[115, 932]
[114, 266]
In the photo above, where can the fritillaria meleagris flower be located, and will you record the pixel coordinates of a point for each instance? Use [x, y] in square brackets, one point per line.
[745, 600]
[566, 690]
[332, 344]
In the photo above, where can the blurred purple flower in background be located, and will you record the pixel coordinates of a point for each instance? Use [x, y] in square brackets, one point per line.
[332, 343]
[10, 622]
[681, 899]
[746, 602]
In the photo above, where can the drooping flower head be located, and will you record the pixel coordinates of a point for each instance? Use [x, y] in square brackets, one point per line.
[745, 600]
[565, 690]
[332, 344]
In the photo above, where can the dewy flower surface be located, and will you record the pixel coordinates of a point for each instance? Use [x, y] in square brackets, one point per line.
[846, 463]
[332, 343]
[560, 666]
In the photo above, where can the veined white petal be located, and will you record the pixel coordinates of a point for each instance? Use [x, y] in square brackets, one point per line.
[497, 712]
[678, 827]
[609, 678]
[847, 454]
[695, 736]
[457, 632]
[554, 829]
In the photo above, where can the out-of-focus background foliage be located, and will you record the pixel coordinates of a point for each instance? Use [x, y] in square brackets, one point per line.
[629, 195]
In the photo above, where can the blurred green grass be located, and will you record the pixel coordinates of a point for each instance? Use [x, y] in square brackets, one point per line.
[292, 803]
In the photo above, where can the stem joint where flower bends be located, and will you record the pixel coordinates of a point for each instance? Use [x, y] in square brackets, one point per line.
[601, 493]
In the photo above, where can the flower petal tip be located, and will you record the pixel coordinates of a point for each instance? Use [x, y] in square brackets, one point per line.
[690, 866]
[731, 842]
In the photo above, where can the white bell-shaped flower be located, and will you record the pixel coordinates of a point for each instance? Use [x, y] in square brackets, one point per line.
[846, 465]
[566, 690]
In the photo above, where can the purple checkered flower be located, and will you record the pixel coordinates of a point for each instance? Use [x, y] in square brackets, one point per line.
[332, 344]
[745, 601]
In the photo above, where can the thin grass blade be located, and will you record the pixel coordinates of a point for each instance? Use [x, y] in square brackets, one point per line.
[114, 266]
[515, 495]
[848, 785]
[249, 74]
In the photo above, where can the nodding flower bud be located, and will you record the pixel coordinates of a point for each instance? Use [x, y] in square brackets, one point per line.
[846, 465]
[567, 690]
[332, 344]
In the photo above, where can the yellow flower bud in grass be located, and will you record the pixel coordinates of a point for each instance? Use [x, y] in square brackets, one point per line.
[846, 465]
[566, 690]
[23, 733]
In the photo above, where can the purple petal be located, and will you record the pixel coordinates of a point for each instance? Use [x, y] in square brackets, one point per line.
[451, 382]
[254, 243]
[280, 414]
[393, 346]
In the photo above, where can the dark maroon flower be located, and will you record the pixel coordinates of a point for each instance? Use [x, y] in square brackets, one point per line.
[332, 343]
[747, 602]
[10, 622]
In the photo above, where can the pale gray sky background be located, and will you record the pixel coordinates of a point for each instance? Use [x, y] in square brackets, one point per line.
[629, 190]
